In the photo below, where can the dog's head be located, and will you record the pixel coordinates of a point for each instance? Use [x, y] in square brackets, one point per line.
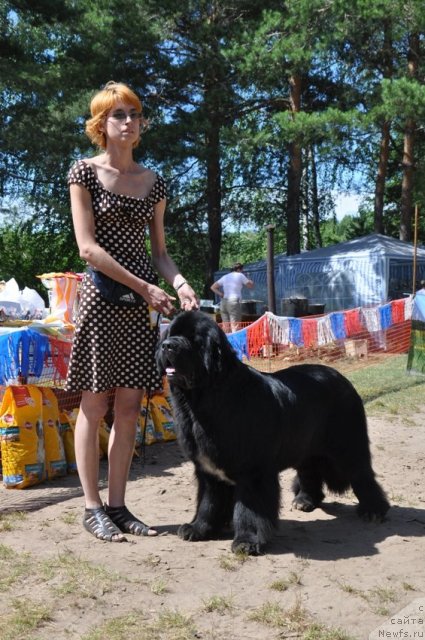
[194, 351]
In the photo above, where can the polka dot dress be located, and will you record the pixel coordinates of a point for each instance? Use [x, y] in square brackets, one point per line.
[114, 346]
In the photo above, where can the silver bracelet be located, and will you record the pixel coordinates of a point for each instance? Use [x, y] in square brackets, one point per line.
[180, 285]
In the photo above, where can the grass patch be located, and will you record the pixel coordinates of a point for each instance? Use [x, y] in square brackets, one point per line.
[285, 583]
[13, 566]
[220, 604]
[119, 628]
[232, 562]
[169, 625]
[151, 560]
[79, 577]
[295, 622]
[388, 388]
[159, 586]
[377, 598]
[320, 632]
[9, 521]
[26, 616]
[294, 619]
[69, 517]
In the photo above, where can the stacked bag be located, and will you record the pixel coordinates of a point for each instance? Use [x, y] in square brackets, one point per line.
[37, 439]
[155, 422]
[32, 448]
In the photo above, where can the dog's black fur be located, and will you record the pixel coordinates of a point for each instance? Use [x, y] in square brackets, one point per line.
[241, 428]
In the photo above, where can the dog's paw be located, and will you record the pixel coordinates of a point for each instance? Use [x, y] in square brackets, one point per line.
[303, 503]
[372, 515]
[247, 547]
[189, 532]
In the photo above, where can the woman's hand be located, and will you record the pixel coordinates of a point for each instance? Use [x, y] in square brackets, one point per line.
[159, 300]
[187, 297]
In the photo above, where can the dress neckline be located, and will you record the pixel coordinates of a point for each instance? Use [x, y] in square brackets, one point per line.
[114, 193]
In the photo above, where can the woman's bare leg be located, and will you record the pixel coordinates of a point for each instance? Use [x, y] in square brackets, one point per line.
[92, 409]
[121, 442]
[121, 447]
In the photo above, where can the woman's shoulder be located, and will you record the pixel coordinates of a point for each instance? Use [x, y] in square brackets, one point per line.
[81, 171]
[159, 188]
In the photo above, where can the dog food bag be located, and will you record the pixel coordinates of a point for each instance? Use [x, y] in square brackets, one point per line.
[104, 432]
[21, 436]
[67, 434]
[166, 392]
[145, 423]
[56, 464]
[162, 418]
[72, 416]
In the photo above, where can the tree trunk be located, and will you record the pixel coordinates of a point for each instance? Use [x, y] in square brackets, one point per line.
[294, 176]
[305, 204]
[315, 202]
[384, 147]
[406, 207]
[384, 152]
[213, 203]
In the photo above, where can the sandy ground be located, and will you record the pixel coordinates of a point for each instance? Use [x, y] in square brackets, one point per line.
[338, 570]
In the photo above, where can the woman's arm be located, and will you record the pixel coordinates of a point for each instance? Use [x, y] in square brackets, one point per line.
[84, 229]
[164, 264]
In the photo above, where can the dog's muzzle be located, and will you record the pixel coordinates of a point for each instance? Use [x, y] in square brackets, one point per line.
[167, 355]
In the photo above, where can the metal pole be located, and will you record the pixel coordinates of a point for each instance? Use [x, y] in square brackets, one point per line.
[271, 298]
[415, 249]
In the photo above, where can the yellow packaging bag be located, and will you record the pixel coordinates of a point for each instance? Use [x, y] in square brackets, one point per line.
[67, 434]
[163, 418]
[103, 438]
[53, 444]
[21, 435]
[145, 423]
[72, 416]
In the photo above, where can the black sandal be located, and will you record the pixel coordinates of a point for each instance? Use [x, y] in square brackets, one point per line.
[128, 523]
[100, 525]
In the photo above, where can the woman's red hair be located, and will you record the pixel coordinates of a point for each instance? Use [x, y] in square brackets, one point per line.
[102, 102]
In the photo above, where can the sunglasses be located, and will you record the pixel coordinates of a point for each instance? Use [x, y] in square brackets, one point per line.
[121, 116]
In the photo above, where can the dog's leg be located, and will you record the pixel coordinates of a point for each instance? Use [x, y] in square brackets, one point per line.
[373, 503]
[256, 511]
[214, 509]
[307, 487]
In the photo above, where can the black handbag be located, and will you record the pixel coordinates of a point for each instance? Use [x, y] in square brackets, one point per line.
[114, 291]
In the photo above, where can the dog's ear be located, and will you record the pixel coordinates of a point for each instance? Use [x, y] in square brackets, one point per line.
[218, 354]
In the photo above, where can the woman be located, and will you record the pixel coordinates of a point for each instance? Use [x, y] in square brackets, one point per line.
[113, 199]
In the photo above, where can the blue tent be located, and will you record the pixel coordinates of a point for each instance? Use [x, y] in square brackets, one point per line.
[359, 273]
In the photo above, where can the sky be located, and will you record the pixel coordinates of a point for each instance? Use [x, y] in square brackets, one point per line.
[346, 204]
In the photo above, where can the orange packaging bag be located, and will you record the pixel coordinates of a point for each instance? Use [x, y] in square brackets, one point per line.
[21, 436]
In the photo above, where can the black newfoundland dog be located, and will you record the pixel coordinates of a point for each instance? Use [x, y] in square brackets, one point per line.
[241, 428]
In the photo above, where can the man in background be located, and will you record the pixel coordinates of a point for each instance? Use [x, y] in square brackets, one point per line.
[229, 289]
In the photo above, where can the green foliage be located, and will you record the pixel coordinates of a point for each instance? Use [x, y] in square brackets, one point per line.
[27, 252]
[216, 84]
[403, 98]
[248, 246]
